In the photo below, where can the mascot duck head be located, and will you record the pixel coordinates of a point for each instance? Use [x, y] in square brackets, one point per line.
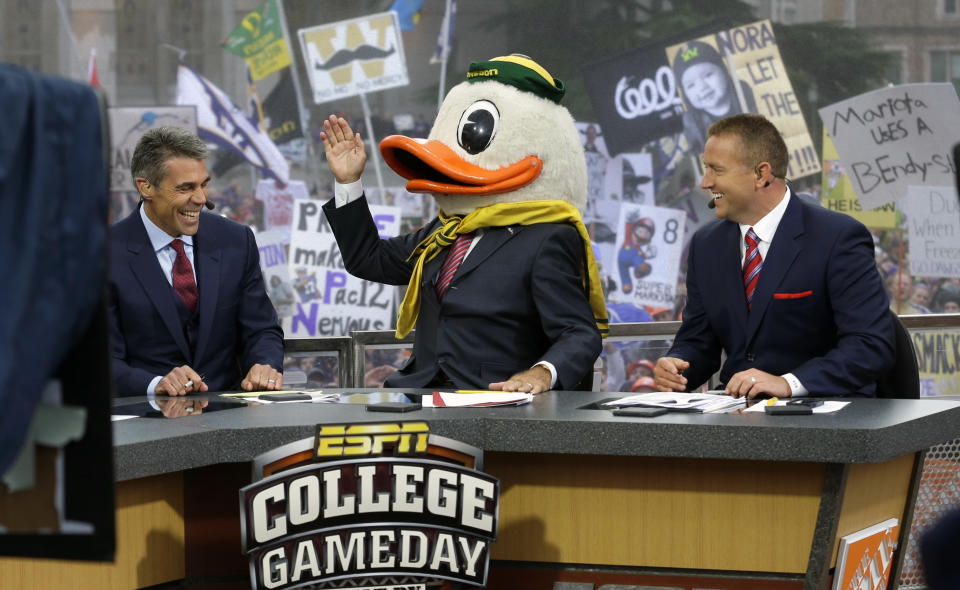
[502, 151]
[500, 137]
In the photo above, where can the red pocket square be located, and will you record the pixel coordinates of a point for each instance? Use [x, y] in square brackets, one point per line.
[792, 295]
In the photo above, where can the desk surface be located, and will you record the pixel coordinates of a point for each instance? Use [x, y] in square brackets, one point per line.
[866, 431]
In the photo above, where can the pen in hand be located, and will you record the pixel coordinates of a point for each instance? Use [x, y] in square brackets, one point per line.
[189, 383]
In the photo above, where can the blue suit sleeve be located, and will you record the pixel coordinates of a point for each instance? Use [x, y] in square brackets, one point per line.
[696, 342]
[865, 336]
[259, 328]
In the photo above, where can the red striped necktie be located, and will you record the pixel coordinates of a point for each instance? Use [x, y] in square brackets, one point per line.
[183, 282]
[751, 264]
[457, 253]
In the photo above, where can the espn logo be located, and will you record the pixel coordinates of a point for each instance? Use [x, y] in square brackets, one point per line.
[369, 439]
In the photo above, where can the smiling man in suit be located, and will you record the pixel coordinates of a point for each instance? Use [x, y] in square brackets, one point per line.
[188, 307]
[787, 290]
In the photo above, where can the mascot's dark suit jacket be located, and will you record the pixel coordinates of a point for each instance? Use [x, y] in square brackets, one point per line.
[235, 328]
[516, 300]
[819, 308]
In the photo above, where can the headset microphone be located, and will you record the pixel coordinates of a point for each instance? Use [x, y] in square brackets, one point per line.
[210, 205]
[712, 204]
[766, 184]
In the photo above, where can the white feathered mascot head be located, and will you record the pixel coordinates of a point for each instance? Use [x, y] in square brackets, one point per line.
[500, 137]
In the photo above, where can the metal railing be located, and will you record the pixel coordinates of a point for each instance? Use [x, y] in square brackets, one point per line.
[351, 349]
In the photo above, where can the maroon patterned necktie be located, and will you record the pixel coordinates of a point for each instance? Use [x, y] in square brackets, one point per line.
[183, 282]
[751, 264]
[452, 263]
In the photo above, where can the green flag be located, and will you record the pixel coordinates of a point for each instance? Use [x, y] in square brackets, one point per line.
[259, 40]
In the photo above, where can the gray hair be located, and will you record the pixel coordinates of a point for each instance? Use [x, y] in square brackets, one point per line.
[161, 144]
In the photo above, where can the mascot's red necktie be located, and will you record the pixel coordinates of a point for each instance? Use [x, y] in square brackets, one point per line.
[751, 264]
[183, 281]
[452, 263]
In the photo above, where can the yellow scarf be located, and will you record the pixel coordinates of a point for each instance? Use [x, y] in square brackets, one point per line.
[498, 215]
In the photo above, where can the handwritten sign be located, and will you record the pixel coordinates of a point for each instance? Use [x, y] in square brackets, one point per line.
[646, 260]
[938, 358]
[895, 137]
[273, 245]
[933, 227]
[330, 301]
[838, 193]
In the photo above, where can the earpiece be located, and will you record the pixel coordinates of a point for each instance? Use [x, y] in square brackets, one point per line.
[766, 184]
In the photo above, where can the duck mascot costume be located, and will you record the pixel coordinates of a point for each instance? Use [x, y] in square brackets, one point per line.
[502, 286]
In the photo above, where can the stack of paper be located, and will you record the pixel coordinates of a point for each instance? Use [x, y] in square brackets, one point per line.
[680, 402]
[471, 399]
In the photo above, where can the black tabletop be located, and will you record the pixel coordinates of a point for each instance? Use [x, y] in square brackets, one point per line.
[563, 422]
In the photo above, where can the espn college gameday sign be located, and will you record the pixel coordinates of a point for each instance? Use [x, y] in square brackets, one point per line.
[384, 506]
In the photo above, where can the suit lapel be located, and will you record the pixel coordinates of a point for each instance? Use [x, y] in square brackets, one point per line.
[144, 265]
[207, 256]
[783, 251]
[493, 239]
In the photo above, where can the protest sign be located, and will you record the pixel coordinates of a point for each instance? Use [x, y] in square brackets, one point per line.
[647, 255]
[838, 193]
[128, 124]
[355, 56]
[892, 138]
[740, 70]
[938, 359]
[597, 157]
[278, 202]
[273, 263]
[933, 229]
[330, 301]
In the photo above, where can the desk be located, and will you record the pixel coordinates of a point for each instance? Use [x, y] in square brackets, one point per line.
[680, 493]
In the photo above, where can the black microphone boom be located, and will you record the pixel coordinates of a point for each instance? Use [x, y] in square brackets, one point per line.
[712, 203]
[209, 205]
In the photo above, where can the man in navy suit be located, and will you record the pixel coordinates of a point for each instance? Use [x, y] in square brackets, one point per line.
[188, 307]
[817, 321]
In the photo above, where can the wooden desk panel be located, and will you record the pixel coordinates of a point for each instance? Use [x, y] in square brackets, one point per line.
[150, 544]
[656, 512]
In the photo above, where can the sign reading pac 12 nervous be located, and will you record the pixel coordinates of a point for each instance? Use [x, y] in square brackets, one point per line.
[355, 56]
[330, 301]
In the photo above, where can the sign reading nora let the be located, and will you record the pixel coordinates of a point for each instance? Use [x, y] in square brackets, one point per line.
[385, 505]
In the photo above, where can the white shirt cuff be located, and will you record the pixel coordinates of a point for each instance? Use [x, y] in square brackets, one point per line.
[152, 386]
[796, 388]
[346, 193]
[553, 371]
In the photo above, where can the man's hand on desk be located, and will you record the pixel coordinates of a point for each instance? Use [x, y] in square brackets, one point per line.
[262, 378]
[177, 407]
[180, 381]
[753, 382]
[535, 380]
[668, 374]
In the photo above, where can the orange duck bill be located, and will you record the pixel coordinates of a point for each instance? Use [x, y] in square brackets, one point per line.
[431, 167]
